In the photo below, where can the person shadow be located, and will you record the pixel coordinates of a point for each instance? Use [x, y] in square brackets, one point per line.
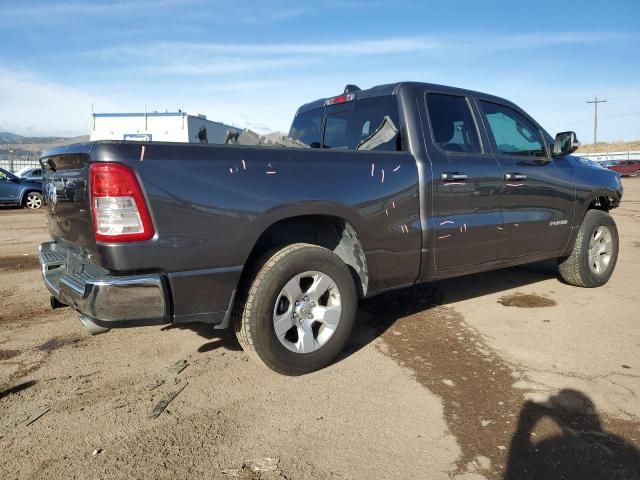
[578, 449]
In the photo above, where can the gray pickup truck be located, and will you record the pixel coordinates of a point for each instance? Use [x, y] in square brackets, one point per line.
[377, 189]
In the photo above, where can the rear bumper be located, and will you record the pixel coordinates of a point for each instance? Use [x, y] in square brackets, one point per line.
[109, 300]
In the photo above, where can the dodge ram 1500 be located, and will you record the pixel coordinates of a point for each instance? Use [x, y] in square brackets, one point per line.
[376, 189]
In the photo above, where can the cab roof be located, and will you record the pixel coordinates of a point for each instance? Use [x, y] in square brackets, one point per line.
[394, 89]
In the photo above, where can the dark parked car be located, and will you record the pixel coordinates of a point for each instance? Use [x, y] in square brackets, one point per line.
[17, 191]
[31, 174]
[626, 167]
[388, 187]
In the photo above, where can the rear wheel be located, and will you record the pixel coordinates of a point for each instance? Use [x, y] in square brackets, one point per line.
[299, 309]
[33, 200]
[595, 252]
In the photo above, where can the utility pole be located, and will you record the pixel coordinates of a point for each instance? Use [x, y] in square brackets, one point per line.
[595, 102]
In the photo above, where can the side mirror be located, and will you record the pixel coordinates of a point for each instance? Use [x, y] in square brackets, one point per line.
[566, 143]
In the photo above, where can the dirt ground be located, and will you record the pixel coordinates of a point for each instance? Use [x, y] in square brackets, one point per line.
[509, 374]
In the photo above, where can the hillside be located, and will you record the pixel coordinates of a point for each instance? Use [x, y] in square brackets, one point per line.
[20, 146]
[604, 147]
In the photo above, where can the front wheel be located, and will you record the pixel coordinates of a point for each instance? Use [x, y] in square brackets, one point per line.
[33, 200]
[595, 252]
[299, 309]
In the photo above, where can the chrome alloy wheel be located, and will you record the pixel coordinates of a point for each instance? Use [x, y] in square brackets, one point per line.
[307, 312]
[33, 201]
[600, 249]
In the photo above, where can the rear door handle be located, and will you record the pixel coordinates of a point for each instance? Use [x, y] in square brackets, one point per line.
[453, 177]
[515, 176]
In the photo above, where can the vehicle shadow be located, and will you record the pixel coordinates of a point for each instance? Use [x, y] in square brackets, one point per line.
[376, 315]
[17, 388]
[219, 338]
[576, 448]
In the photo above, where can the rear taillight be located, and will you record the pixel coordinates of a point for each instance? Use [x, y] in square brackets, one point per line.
[118, 207]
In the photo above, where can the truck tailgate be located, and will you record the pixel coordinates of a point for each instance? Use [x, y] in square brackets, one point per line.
[65, 187]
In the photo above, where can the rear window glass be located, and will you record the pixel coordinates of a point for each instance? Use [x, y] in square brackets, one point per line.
[369, 117]
[368, 124]
[336, 129]
[307, 127]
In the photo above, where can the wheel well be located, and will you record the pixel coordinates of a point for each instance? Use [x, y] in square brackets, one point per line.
[603, 202]
[27, 192]
[333, 233]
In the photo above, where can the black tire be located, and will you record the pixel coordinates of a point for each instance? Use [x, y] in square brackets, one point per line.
[575, 268]
[254, 317]
[33, 200]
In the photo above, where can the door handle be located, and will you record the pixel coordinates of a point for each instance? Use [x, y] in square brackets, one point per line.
[453, 177]
[515, 176]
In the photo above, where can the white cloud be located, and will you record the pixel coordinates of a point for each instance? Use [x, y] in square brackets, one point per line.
[220, 66]
[44, 10]
[204, 11]
[33, 106]
[482, 41]
[262, 84]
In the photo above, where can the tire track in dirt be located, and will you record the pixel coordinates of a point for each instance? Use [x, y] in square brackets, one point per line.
[482, 408]
[452, 361]
[30, 360]
[19, 262]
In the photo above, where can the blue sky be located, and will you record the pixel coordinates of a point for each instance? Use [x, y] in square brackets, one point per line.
[251, 63]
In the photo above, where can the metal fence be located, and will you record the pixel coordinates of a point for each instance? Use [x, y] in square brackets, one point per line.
[611, 156]
[14, 164]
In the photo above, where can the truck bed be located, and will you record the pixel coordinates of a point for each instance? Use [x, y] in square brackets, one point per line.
[211, 203]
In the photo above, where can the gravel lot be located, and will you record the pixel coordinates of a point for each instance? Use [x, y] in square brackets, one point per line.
[509, 374]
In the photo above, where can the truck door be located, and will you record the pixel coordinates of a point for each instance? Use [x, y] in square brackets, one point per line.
[537, 192]
[466, 217]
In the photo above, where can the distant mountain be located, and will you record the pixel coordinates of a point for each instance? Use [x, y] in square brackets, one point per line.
[20, 146]
[12, 138]
[6, 137]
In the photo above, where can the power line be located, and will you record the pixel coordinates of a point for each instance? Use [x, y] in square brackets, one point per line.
[634, 95]
[620, 114]
[595, 102]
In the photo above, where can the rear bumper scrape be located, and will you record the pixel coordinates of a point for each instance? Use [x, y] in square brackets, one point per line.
[108, 300]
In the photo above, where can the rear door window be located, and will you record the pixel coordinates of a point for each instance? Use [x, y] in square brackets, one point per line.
[452, 124]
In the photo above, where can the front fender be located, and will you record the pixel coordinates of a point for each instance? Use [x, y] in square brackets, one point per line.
[592, 198]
